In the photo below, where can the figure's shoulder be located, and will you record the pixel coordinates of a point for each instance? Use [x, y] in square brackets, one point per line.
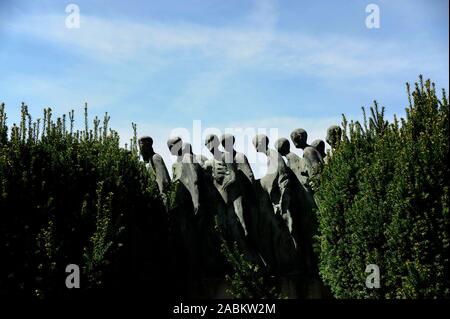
[310, 151]
[240, 158]
[293, 157]
[240, 155]
[209, 162]
[176, 165]
[312, 154]
[272, 152]
[295, 162]
[275, 155]
[200, 159]
[158, 160]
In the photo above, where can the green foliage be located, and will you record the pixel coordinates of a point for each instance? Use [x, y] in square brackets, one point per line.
[72, 196]
[383, 199]
[96, 256]
[247, 279]
[171, 193]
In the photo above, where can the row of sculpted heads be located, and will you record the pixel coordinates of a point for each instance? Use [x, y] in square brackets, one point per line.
[212, 143]
[299, 138]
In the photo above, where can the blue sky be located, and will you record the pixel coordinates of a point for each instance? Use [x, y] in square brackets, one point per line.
[263, 64]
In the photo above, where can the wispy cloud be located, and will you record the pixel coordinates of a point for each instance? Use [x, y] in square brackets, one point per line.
[221, 52]
[256, 42]
[200, 89]
[178, 70]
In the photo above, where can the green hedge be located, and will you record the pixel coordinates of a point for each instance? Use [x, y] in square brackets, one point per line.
[71, 196]
[74, 196]
[384, 199]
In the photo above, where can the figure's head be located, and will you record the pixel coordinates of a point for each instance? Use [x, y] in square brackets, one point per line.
[334, 135]
[212, 142]
[227, 141]
[282, 146]
[175, 145]
[319, 145]
[261, 142]
[299, 138]
[187, 154]
[186, 149]
[146, 147]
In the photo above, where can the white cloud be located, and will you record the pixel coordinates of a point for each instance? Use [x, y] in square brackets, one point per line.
[200, 89]
[256, 42]
[223, 51]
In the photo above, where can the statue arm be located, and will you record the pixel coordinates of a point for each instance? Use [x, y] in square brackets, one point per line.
[203, 159]
[247, 169]
[190, 179]
[313, 163]
[162, 175]
[208, 167]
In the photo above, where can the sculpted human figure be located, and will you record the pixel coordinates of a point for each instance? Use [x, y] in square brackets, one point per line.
[200, 159]
[154, 163]
[175, 145]
[238, 194]
[197, 203]
[227, 179]
[294, 161]
[184, 205]
[276, 181]
[334, 136]
[231, 156]
[319, 145]
[306, 223]
[212, 143]
[234, 189]
[188, 155]
[305, 198]
[214, 167]
[185, 169]
[277, 219]
[312, 161]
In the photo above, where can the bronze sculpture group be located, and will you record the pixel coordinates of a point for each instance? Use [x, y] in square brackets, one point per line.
[271, 220]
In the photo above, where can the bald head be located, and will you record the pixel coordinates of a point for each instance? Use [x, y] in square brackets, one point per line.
[146, 147]
[146, 140]
[334, 135]
[261, 142]
[282, 146]
[319, 145]
[175, 145]
[186, 149]
[299, 138]
[212, 142]
[227, 141]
